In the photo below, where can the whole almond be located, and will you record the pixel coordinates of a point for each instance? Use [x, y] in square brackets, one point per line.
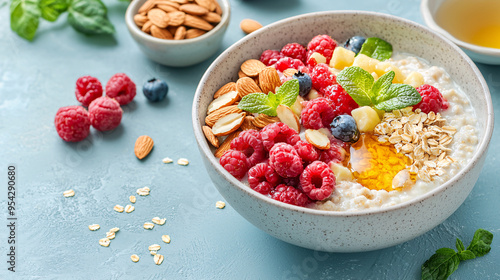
[194, 9]
[180, 33]
[220, 113]
[262, 120]
[208, 4]
[212, 139]
[248, 123]
[161, 33]
[181, 1]
[218, 9]
[168, 3]
[148, 5]
[228, 124]
[176, 18]
[269, 79]
[226, 145]
[172, 29]
[193, 33]
[212, 17]
[158, 17]
[249, 25]
[231, 86]
[143, 146]
[196, 22]
[241, 74]
[140, 20]
[245, 86]
[167, 8]
[147, 26]
[252, 67]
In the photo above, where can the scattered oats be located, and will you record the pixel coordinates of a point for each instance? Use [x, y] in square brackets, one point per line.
[94, 227]
[148, 225]
[69, 193]
[104, 242]
[115, 229]
[182, 161]
[129, 208]
[154, 247]
[118, 208]
[134, 258]
[132, 198]
[220, 204]
[165, 238]
[110, 235]
[167, 160]
[159, 221]
[153, 253]
[158, 259]
[143, 191]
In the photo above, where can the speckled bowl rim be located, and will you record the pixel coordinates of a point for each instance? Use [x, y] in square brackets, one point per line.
[481, 149]
[132, 27]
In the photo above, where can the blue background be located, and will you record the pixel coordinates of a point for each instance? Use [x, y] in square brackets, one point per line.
[36, 78]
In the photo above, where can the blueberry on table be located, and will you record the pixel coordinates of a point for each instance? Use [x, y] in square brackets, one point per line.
[305, 83]
[354, 43]
[155, 90]
[344, 128]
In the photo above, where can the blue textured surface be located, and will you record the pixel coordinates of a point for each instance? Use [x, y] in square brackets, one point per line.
[207, 243]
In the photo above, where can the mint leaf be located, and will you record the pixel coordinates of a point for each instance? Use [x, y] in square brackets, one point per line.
[440, 265]
[89, 17]
[288, 92]
[480, 244]
[460, 245]
[257, 103]
[398, 96]
[376, 48]
[358, 84]
[24, 18]
[52, 9]
[383, 83]
[466, 255]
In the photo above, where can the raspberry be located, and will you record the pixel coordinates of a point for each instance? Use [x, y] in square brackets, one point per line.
[262, 178]
[72, 123]
[322, 44]
[87, 89]
[105, 113]
[317, 113]
[288, 62]
[121, 88]
[270, 57]
[432, 100]
[317, 181]
[336, 153]
[250, 143]
[306, 151]
[321, 76]
[292, 181]
[278, 132]
[285, 160]
[341, 102]
[235, 162]
[295, 50]
[290, 195]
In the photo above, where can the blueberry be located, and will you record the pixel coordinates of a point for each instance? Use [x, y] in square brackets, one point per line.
[155, 90]
[354, 43]
[344, 128]
[305, 83]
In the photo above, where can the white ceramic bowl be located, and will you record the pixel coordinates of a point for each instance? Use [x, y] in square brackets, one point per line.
[347, 231]
[178, 52]
[429, 8]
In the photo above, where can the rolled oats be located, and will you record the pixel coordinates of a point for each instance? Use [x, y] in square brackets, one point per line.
[165, 238]
[69, 193]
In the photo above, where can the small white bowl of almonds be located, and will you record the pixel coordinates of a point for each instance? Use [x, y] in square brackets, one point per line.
[178, 32]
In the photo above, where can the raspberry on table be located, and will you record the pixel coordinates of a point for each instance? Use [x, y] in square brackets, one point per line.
[432, 100]
[105, 113]
[290, 195]
[88, 88]
[306, 151]
[121, 88]
[341, 102]
[262, 178]
[270, 57]
[278, 132]
[235, 162]
[250, 143]
[288, 62]
[72, 123]
[321, 76]
[317, 113]
[336, 153]
[285, 160]
[317, 181]
[295, 50]
[322, 44]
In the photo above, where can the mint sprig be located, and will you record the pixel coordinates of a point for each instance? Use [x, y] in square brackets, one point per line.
[376, 48]
[445, 261]
[267, 103]
[382, 94]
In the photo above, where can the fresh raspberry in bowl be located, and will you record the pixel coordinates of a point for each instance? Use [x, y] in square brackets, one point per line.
[295, 50]
[341, 102]
[321, 76]
[432, 100]
[270, 57]
[290, 195]
[322, 44]
[105, 113]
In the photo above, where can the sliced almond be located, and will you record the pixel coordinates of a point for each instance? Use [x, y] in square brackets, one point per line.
[226, 145]
[167, 8]
[140, 20]
[288, 117]
[224, 100]
[249, 25]
[248, 123]
[228, 124]
[194, 9]
[193, 33]
[161, 33]
[180, 33]
[317, 139]
[269, 80]
[147, 27]
[148, 5]
[245, 86]
[212, 17]
[143, 146]
[262, 120]
[212, 139]
[222, 112]
[176, 18]
[252, 67]
[290, 72]
[297, 106]
[231, 86]
[197, 22]
[158, 17]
